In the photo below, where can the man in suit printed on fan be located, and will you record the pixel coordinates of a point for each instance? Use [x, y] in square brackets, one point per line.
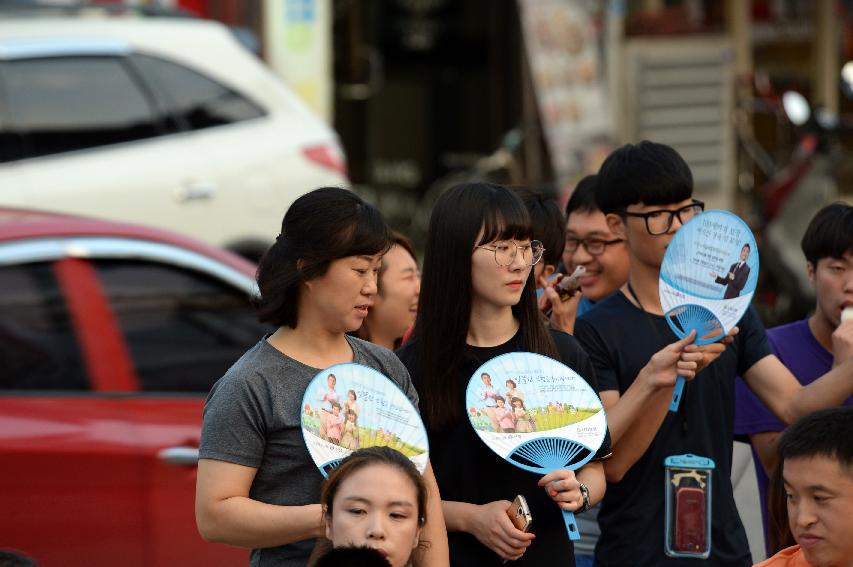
[737, 276]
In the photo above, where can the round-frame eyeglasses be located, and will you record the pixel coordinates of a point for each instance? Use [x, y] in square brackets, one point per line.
[506, 250]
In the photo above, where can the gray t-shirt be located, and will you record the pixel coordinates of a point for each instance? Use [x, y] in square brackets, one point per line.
[252, 418]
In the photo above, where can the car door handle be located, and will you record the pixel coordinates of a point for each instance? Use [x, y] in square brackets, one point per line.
[180, 456]
[196, 191]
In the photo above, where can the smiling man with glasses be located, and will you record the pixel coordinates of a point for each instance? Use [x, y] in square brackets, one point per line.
[646, 193]
[590, 243]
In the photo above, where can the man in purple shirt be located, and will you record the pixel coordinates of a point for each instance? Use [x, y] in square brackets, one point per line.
[809, 347]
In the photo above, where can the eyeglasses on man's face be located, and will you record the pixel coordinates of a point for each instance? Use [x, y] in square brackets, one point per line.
[506, 250]
[593, 246]
[660, 221]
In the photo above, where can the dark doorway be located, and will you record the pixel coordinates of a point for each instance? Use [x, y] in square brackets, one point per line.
[423, 88]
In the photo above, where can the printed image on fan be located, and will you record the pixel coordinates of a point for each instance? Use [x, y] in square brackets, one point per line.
[708, 275]
[537, 414]
[517, 398]
[350, 406]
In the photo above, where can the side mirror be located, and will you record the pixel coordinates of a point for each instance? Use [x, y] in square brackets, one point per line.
[796, 107]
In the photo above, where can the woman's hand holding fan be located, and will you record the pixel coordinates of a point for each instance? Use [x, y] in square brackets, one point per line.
[570, 423]
[563, 487]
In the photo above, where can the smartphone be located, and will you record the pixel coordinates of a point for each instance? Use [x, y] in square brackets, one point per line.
[690, 520]
[569, 285]
[519, 513]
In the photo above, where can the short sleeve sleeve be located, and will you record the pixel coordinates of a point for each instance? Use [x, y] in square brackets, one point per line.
[752, 339]
[398, 372]
[599, 356]
[751, 415]
[235, 421]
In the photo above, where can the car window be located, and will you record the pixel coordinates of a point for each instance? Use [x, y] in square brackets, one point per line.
[38, 347]
[71, 103]
[184, 329]
[196, 100]
[9, 142]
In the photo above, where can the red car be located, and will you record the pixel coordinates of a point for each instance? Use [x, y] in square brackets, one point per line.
[111, 335]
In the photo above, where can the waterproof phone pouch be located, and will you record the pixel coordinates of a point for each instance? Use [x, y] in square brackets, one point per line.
[688, 506]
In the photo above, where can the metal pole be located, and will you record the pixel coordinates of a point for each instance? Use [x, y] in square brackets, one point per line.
[738, 24]
[825, 61]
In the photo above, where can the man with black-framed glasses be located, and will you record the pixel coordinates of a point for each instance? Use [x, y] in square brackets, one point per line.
[590, 243]
[646, 193]
[659, 221]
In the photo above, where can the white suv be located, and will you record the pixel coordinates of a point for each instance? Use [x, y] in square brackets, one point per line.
[166, 122]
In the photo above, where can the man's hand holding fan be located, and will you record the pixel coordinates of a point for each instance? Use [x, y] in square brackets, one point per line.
[707, 281]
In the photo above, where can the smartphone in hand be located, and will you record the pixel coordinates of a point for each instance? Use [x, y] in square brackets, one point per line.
[519, 513]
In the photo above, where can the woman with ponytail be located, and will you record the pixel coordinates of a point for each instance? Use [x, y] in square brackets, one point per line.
[257, 486]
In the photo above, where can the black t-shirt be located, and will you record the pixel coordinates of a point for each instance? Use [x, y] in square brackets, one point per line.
[620, 340]
[468, 471]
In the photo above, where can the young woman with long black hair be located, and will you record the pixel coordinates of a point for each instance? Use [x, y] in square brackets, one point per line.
[477, 302]
[257, 485]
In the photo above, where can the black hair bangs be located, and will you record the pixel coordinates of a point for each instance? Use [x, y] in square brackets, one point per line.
[547, 222]
[667, 194]
[506, 219]
[824, 433]
[582, 199]
[829, 234]
[367, 235]
[647, 173]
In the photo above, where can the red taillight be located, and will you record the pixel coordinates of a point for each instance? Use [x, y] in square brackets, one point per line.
[328, 157]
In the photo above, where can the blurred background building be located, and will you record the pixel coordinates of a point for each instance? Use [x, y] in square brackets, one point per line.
[422, 94]
[426, 93]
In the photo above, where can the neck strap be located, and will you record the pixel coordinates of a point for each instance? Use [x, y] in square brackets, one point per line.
[634, 295]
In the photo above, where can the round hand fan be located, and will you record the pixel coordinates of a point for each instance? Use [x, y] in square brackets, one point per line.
[538, 414]
[707, 279]
[351, 406]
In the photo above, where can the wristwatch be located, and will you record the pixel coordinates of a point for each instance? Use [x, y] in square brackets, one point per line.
[585, 494]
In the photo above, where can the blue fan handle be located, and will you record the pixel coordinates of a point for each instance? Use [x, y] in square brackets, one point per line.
[676, 393]
[571, 525]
